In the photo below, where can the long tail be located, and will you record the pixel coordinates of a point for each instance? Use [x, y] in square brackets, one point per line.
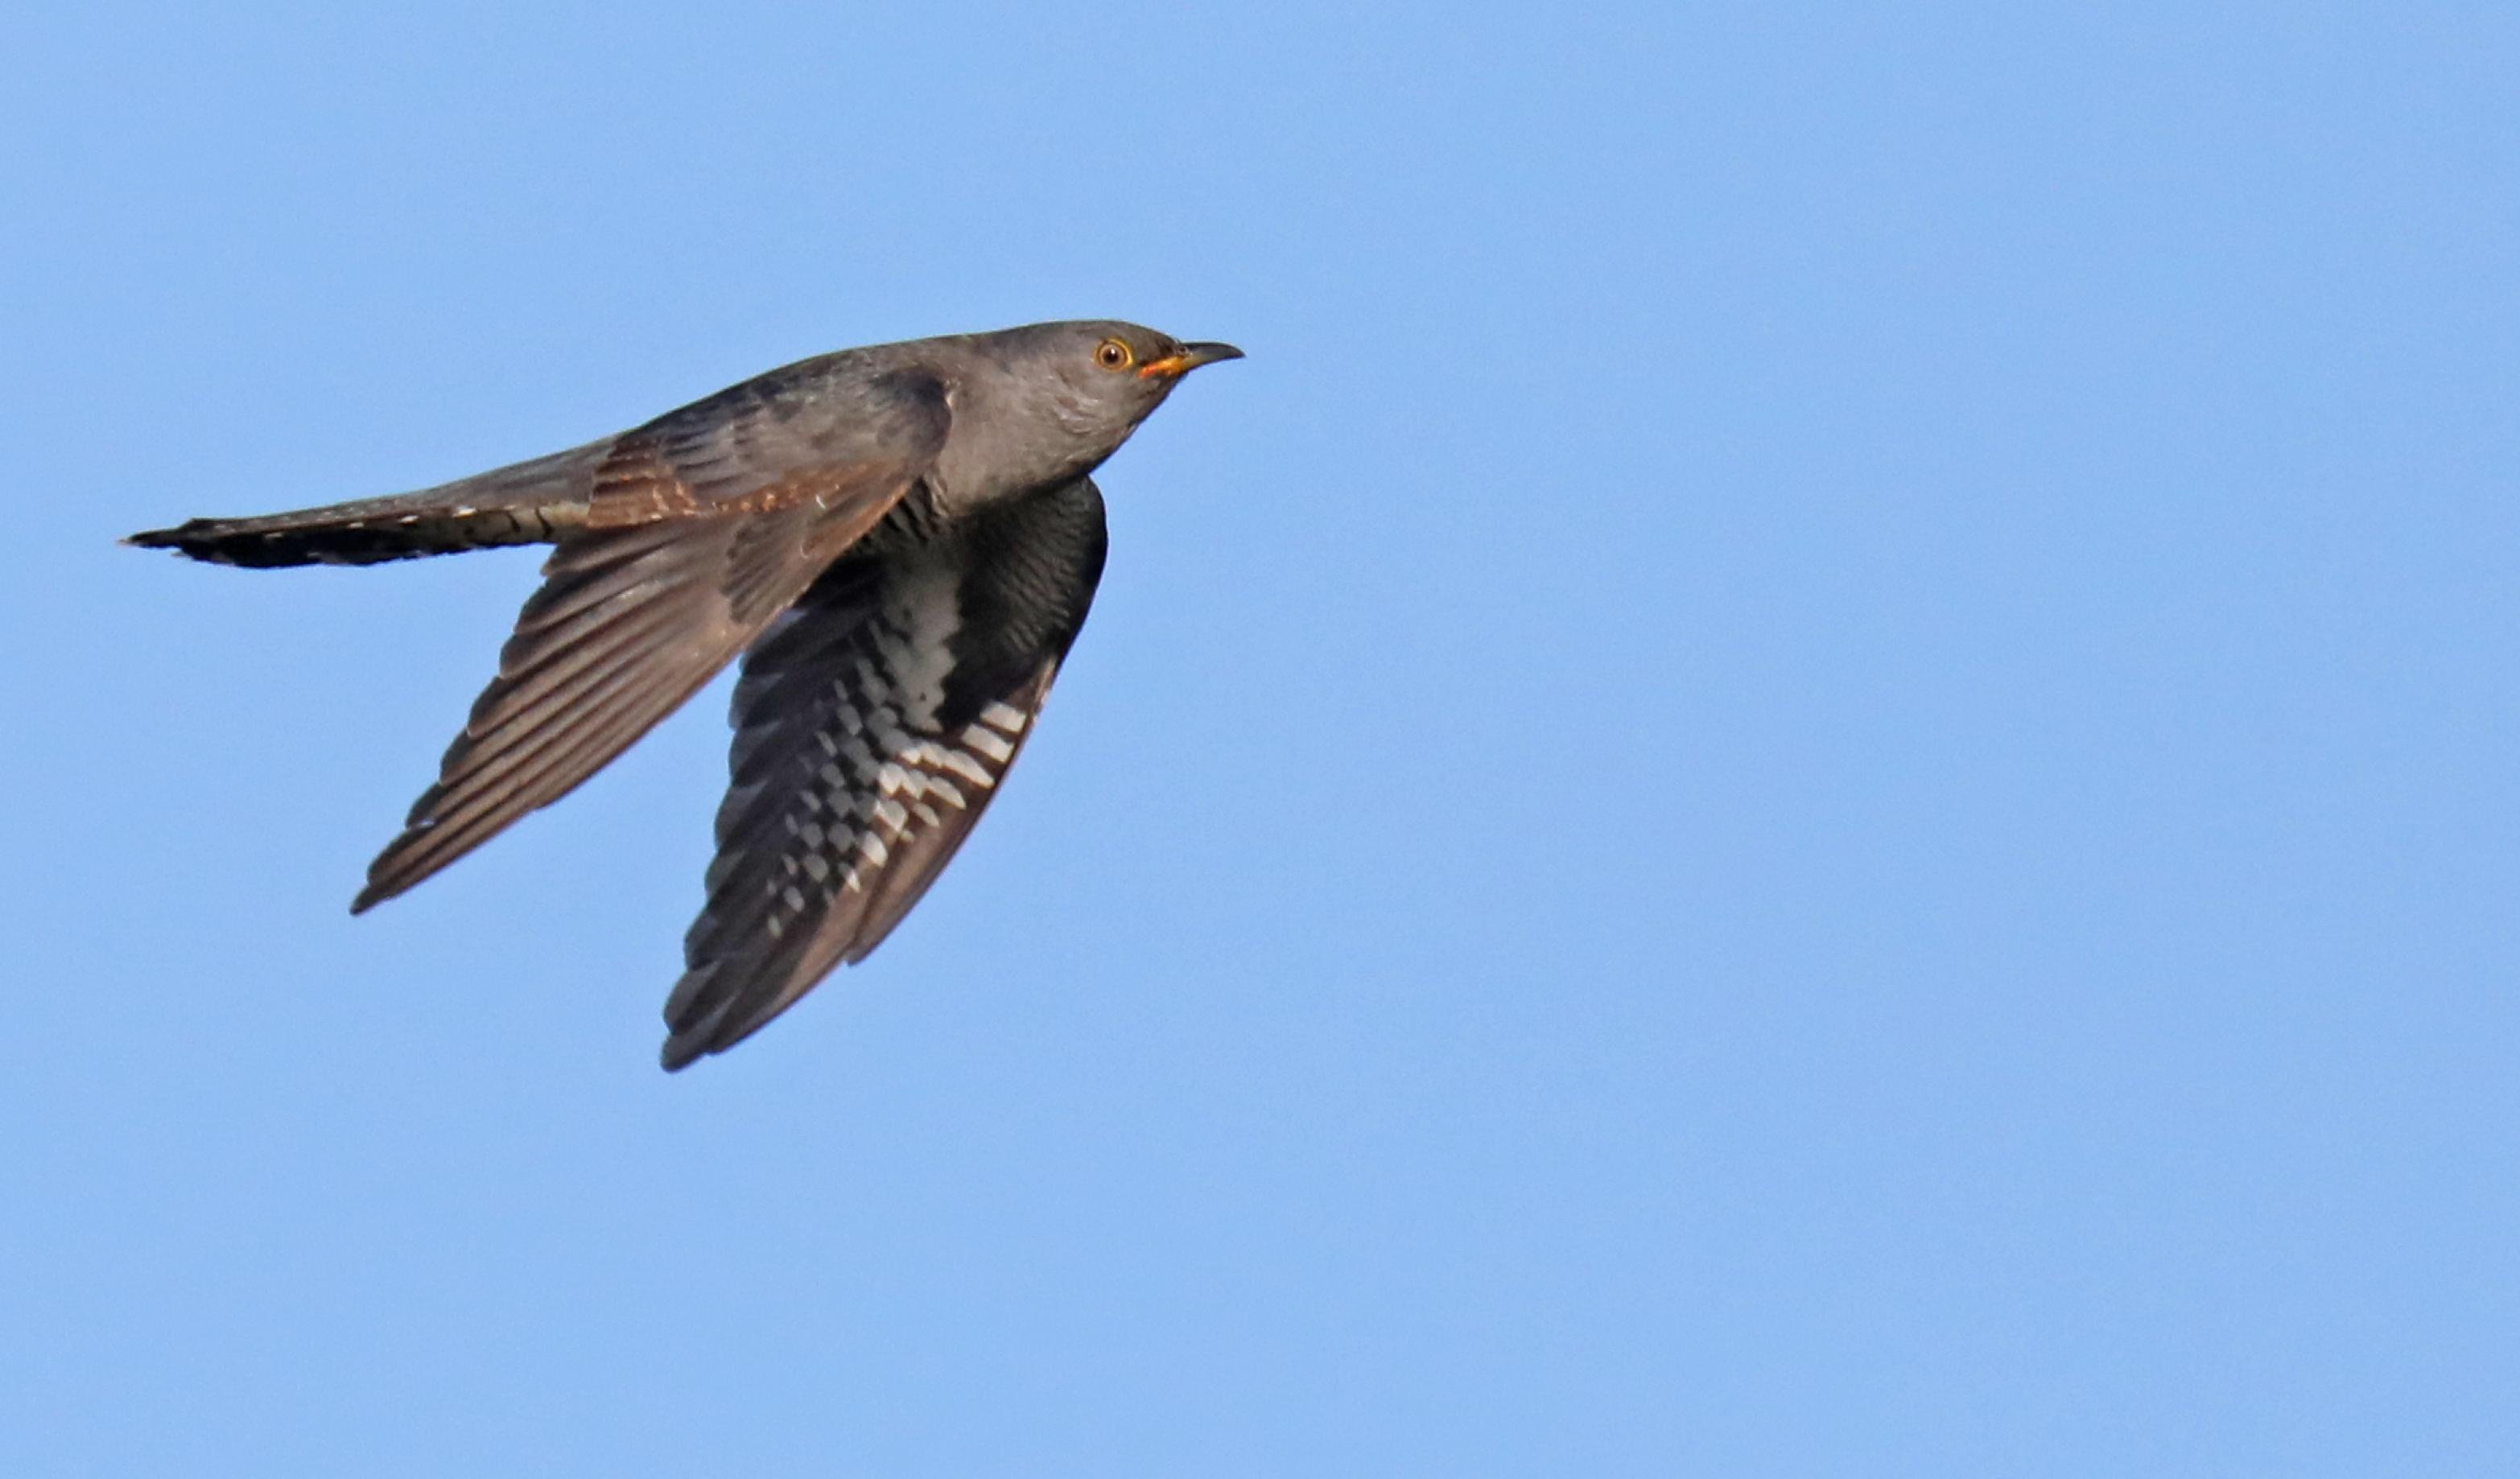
[529, 502]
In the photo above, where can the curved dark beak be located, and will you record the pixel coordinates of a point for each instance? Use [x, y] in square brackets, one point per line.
[1186, 358]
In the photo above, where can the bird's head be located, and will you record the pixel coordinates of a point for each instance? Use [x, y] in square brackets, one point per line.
[1117, 372]
[1050, 401]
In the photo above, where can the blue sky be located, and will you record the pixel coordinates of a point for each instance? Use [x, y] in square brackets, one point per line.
[1812, 774]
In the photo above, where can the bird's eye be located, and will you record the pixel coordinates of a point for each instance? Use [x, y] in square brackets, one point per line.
[1111, 354]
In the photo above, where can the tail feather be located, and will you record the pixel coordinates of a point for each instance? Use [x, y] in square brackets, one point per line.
[529, 502]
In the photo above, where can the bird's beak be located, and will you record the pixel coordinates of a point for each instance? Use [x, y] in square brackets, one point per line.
[1184, 360]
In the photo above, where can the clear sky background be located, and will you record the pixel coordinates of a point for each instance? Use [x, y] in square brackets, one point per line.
[1813, 774]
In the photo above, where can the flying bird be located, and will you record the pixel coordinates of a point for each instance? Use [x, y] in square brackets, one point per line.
[901, 542]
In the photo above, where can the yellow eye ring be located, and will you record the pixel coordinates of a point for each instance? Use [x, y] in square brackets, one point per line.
[1111, 354]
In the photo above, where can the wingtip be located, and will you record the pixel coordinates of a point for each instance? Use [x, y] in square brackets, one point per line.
[391, 874]
[691, 1036]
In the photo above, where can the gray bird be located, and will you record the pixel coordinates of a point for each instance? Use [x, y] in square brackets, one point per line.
[900, 540]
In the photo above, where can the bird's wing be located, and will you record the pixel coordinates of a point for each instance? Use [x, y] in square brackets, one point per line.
[872, 724]
[702, 528]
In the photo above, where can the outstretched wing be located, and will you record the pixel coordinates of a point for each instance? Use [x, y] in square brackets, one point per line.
[702, 526]
[872, 724]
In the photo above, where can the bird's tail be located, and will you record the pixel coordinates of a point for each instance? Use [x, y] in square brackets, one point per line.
[529, 502]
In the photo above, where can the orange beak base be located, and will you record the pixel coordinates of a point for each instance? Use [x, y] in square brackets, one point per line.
[1186, 359]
